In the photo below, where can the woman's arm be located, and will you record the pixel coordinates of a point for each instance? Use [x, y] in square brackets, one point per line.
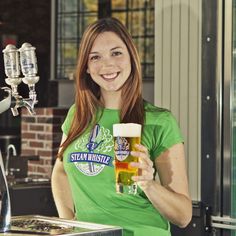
[61, 190]
[171, 197]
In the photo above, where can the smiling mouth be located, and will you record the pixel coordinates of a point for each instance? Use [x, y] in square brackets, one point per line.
[111, 76]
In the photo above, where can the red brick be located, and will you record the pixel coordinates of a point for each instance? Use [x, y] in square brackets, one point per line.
[36, 144]
[49, 111]
[47, 162]
[36, 163]
[48, 145]
[36, 127]
[24, 111]
[44, 153]
[28, 119]
[40, 111]
[26, 135]
[28, 152]
[46, 136]
[42, 169]
[48, 128]
[32, 168]
[24, 126]
[47, 120]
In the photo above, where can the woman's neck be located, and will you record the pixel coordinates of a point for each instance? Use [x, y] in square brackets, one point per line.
[111, 100]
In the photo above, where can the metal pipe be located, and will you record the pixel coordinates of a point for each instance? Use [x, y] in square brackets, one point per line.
[5, 203]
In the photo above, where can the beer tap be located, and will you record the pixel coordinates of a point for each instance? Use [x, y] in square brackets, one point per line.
[23, 58]
[14, 59]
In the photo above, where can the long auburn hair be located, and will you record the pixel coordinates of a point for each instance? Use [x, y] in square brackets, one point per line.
[87, 97]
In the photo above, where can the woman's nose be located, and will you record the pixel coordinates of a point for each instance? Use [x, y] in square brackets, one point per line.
[108, 61]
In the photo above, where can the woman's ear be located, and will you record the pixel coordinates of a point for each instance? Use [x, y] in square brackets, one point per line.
[88, 71]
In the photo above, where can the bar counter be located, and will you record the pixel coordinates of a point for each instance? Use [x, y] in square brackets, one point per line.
[41, 225]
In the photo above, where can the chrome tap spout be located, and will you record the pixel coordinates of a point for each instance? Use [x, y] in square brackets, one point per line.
[24, 102]
[29, 104]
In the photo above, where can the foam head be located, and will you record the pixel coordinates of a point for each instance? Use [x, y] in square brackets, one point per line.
[127, 130]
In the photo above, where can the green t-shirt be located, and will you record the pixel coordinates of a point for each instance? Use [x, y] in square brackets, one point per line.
[88, 164]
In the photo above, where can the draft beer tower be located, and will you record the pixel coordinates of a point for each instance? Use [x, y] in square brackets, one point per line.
[16, 61]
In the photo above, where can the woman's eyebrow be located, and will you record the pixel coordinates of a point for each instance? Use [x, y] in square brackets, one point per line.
[93, 52]
[116, 48]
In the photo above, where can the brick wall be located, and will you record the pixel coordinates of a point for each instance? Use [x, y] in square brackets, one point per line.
[41, 136]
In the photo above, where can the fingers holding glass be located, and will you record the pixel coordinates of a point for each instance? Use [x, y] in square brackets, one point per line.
[145, 165]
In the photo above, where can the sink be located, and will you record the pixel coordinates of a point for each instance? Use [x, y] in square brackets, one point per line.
[41, 225]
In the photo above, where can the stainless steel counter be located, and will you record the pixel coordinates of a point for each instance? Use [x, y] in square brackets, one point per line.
[41, 225]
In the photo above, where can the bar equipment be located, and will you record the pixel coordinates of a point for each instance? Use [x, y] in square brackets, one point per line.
[24, 59]
[12, 63]
[5, 210]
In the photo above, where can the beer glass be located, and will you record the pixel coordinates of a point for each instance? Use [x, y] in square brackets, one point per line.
[126, 135]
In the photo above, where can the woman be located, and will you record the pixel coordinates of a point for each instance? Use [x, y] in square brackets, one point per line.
[108, 91]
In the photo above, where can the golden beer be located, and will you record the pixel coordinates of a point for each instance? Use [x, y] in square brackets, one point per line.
[125, 138]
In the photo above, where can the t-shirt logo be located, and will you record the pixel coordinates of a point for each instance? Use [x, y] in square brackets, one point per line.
[93, 146]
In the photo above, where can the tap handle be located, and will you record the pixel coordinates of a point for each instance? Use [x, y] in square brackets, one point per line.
[28, 60]
[11, 61]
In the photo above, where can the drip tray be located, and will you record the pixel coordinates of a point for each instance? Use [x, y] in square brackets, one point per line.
[40, 225]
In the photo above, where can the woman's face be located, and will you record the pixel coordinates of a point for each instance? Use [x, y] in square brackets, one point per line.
[109, 62]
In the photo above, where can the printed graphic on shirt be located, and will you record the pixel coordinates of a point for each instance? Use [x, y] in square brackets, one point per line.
[92, 157]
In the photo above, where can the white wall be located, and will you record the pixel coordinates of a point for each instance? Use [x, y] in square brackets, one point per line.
[178, 74]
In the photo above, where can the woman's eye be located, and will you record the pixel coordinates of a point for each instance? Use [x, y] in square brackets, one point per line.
[116, 53]
[94, 58]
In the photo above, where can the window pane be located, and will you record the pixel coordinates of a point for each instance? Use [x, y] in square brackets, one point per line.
[139, 42]
[150, 21]
[118, 4]
[68, 27]
[135, 20]
[74, 16]
[67, 6]
[149, 50]
[136, 4]
[138, 16]
[90, 5]
[121, 16]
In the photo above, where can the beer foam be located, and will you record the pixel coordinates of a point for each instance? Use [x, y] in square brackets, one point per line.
[127, 130]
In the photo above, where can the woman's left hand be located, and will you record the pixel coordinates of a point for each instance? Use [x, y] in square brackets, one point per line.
[145, 165]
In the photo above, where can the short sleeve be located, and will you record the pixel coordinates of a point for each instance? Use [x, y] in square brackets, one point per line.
[67, 122]
[166, 134]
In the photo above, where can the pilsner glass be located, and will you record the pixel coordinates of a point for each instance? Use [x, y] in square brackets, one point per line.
[126, 135]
